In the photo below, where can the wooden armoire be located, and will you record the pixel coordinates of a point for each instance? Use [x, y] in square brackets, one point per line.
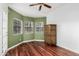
[50, 34]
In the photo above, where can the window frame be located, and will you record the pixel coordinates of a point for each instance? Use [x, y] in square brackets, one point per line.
[40, 25]
[21, 30]
[29, 22]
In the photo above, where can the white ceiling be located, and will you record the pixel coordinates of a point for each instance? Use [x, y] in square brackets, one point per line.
[26, 10]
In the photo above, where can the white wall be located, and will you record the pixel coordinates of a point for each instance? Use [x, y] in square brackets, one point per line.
[67, 19]
[0, 32]
[3, 26]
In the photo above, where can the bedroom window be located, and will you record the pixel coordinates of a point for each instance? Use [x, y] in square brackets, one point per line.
[39, 26]
[28, 26]
[17, 26]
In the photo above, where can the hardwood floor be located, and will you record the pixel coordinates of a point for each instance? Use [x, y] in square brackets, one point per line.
[39, 49]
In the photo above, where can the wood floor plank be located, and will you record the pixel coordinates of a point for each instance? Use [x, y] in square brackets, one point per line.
[36, 48]
[40, 49]
[33, 50]
[57, 50]
[49, 49]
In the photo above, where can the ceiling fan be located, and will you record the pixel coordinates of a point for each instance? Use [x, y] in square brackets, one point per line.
[40, 5]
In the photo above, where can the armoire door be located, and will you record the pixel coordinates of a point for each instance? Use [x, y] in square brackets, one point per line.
[50, 34]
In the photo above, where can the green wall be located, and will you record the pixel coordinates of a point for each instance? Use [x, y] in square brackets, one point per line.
[39, 35]
[34, 35]
[28, 36]
[15, 39]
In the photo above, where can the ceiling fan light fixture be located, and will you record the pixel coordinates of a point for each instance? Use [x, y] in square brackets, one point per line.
[40, 5]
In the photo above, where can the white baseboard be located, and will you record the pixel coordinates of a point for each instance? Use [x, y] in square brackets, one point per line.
[69, 49]
[3, 54]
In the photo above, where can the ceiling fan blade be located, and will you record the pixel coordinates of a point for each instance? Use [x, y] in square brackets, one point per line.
[34, 4]
[40, 7]
[48, 6]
